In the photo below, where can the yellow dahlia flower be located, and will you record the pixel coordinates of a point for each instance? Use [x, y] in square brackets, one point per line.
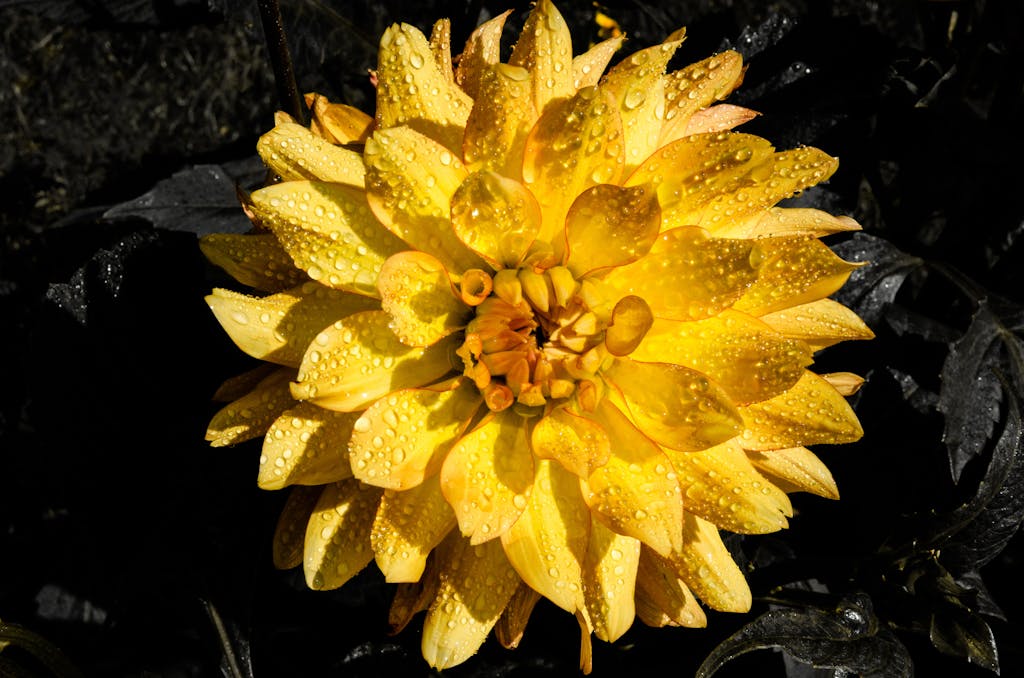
[539, 330]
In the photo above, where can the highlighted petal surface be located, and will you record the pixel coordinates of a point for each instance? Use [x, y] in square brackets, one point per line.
[338, 534]
[407, 527]
[416, 291]
[302, 448]
[609, 577]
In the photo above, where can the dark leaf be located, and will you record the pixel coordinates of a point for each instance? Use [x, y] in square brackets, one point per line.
[983, 601]
[872, 288]
[847, 638]
[971, 391]
[201, 200]
[961, 633]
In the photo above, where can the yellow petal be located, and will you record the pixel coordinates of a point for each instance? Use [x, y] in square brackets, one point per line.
[783, 221]
[496, 217]
[483, 48]
[718, 118]
[587, 68]
[631, 319]
[290, 534]
[410, 181]
[845, 383]
[798, 467]
[329, 232]
[496, 132]
[810, 413]
[635, 493]
[487, 476]
[338, 534]
[576, 144]
[258, 260]
[820, 323]
[637, 83]
[687, 275]
[293, 153]
[441, 48]
[278, 328]
[705, 565]
[407, 527]
[547, 543]
[743, 355]
[580, 445]
[611, 226]
[359, 359]
[792, 271]
[698, 86]
[609, 578]
[477, 583]
[306, 446]
[662, 599]
[678, 407]
[545, 50]
[721, 486]
[239, 385]
[512, 623]
[416, 292]
[412, 91]
[344, 124]
[790, 172]
[251, 415]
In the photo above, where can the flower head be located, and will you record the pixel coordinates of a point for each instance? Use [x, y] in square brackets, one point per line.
[539, 330]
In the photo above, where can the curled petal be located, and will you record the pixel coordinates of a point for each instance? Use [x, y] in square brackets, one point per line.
[696, 87]
[662, 599]
[404, 437]
[293, 152]
[820, 323]
[338, 534]
[290, 533]
[609, 578]
[329, 232]
[611, 226]
[416, 292]
[407, 527]
[810, 413]
[631, 320]
[721, 486]
[677, 407]
[545, 50]
[687, 275]
[278, 328]
[580, 445]
[483, 49]
[256, 260]
[547, 543]
[635, 493]
[477, 582]
[796, 469]
[338, 123]
[251, 415]
[587, 68]
[302, 448]
[743, 355]
[496, 217]
[705, 565]
[512, 623]
[359, 359]
[488, 475]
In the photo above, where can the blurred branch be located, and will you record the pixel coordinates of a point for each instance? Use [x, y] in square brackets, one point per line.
[281, 59]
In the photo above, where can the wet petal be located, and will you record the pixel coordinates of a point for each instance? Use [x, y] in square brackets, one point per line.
[747, 358]
[258, 260]
[410, 181]
[791, 272]
[414, 597]
[477, 583]
[290, 533]
[810, 413]
[359, 359]
[687, 275]
[412, 91]
[512, 623]
[611, 226]
[662, 599]
[698, 86]
[707, 568]
[721, 486]
[338, 534]
[329, 232]
[487, 476]
[496, 133]
[294, 153]
[787, 221]
[483, 48]
[580, 445]
[820, 323]
[587, 68]
[496, 217]
[441, 48]
[678, 407]
[631, 319]
[239, 385]
[547, 543]
[576, 144]
[635, 493]
[305, 446]
[718, 118]
[798, 468]
[545, 50]
[280, 327]
[416, 292]
[407, 527]
[251, 415]
[344, 124]
[609, 578]
[404, 437]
